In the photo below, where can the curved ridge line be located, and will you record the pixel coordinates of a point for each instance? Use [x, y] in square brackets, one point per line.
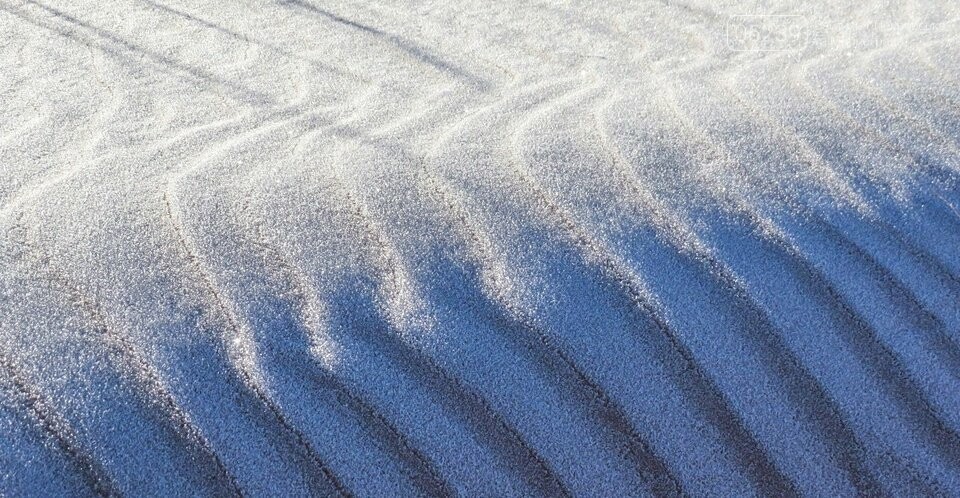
[891, 371]
[804, 152]
[59, 430]
[649, 465]
[801, 80]
[873, 353]
[456, 386]
[243, 369]
[935, 335]
[399, 442]
[935, 265]
[842, 440]
[140, 369]
[753, 456]
[933, 329]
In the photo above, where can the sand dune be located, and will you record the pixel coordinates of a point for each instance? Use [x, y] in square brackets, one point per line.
[422, 248]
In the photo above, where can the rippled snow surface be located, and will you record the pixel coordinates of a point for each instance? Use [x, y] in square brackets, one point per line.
[584, 248]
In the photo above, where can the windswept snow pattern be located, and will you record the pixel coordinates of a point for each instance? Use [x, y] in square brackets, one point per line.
[344, 248]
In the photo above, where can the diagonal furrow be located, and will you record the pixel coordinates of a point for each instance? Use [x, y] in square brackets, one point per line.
[803, 388]
[870, 350]
[150, 386]
[931, 328]
[890, 149]
[423, 470]
[316, 471]
[58, 430]
[689, 373]
[553, 357]
[691, 376]
[439, 248]
[242, 37]
[863, 339]
[806, 392]
[408, 47]
[105, 41]
[930, 262]
[455, 394]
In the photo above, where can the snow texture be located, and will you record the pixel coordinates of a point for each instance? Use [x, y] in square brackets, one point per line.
[425, 247]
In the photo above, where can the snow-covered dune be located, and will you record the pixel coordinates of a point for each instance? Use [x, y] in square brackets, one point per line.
[582, 248]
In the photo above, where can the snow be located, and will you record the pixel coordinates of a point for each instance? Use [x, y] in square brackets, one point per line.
[498, 249]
